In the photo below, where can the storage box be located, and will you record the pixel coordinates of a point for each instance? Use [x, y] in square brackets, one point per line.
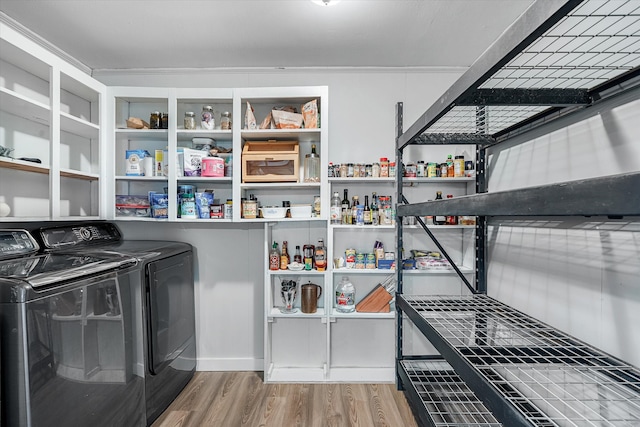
[270, 161]
[127, 205]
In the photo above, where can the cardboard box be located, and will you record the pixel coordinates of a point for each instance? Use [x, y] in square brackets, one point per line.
[271, 161]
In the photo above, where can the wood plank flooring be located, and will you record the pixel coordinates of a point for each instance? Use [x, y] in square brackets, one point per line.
[230, 399]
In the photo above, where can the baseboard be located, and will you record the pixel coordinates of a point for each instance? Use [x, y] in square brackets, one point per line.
[212, 364]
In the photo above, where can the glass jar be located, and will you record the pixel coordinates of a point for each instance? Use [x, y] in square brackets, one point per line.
[368, 170]
[190, 120]
[344, 170]
[392, 169]
[207, 121]
[350, 170]
[154, 120]
[375, 170]
[225, 121]
[164, 121]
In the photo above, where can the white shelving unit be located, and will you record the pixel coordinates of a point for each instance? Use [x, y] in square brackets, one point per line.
[53, 112]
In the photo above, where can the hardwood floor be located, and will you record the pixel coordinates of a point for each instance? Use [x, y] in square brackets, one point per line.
[230, 399]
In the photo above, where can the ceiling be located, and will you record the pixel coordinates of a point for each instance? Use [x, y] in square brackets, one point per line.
[169, 34]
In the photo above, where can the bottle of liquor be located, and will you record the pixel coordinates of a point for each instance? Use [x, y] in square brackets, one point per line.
[346, 208]
[298, 256]
[284, 256]
[439, 219]
[354, 210]
[336, 209]
[367, 211]
[375, 210]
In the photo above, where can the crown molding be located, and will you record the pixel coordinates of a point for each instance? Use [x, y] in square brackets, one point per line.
[42, 42]
[262, 70]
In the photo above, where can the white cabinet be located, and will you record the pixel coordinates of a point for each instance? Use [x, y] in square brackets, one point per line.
[51, 117]
[262, 101]
[164, 145]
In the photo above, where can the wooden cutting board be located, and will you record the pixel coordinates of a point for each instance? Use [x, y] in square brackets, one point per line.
[376, 301]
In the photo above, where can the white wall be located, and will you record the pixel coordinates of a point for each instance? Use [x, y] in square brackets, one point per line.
[581, 275]
[229, 276]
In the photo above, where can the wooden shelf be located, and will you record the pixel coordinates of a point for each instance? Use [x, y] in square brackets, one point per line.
[87, 176]
[302, 135]
[22, 165]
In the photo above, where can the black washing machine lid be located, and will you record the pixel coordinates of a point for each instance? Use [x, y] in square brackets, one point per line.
[52, 268]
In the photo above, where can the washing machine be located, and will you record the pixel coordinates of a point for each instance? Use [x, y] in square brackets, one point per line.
[68, 335]
[167, 306]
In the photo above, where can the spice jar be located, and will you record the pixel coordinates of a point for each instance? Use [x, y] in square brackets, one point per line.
[154, 120]
[392, 169]
[207, 121]
[384, 167]
[164, 121]
[225, 121]
[375, 170]
[344, 170]
[189, 120]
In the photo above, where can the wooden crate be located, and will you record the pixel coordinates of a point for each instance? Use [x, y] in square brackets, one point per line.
[271, 161]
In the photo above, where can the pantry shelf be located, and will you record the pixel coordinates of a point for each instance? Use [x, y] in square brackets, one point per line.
[289, 186]
[22, 106]
[446, 399]
[140, 178]
[78, 126]
[87, 176]
[275, 312]
[527, 372]
[617, 195]
[363, 315]
[554, 60]
[22, 165]
[302, 135]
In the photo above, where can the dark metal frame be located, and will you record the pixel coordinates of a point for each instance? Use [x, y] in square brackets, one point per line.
[615, 196]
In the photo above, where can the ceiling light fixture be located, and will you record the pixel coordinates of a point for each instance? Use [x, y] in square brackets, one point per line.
[326, 2]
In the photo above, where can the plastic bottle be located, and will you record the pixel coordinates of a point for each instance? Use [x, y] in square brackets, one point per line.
[345, 296]
[274, 257]
[336, 209]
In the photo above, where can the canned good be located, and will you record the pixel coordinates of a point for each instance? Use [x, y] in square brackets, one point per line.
[350, 257]
[370, 261]
[360, 261]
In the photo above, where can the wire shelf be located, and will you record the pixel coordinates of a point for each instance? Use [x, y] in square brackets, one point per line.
[551, 378]
[447, 399]
[596, 42]
[593, 44]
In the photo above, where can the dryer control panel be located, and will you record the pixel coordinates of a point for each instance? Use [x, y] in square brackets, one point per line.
[73, 236]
